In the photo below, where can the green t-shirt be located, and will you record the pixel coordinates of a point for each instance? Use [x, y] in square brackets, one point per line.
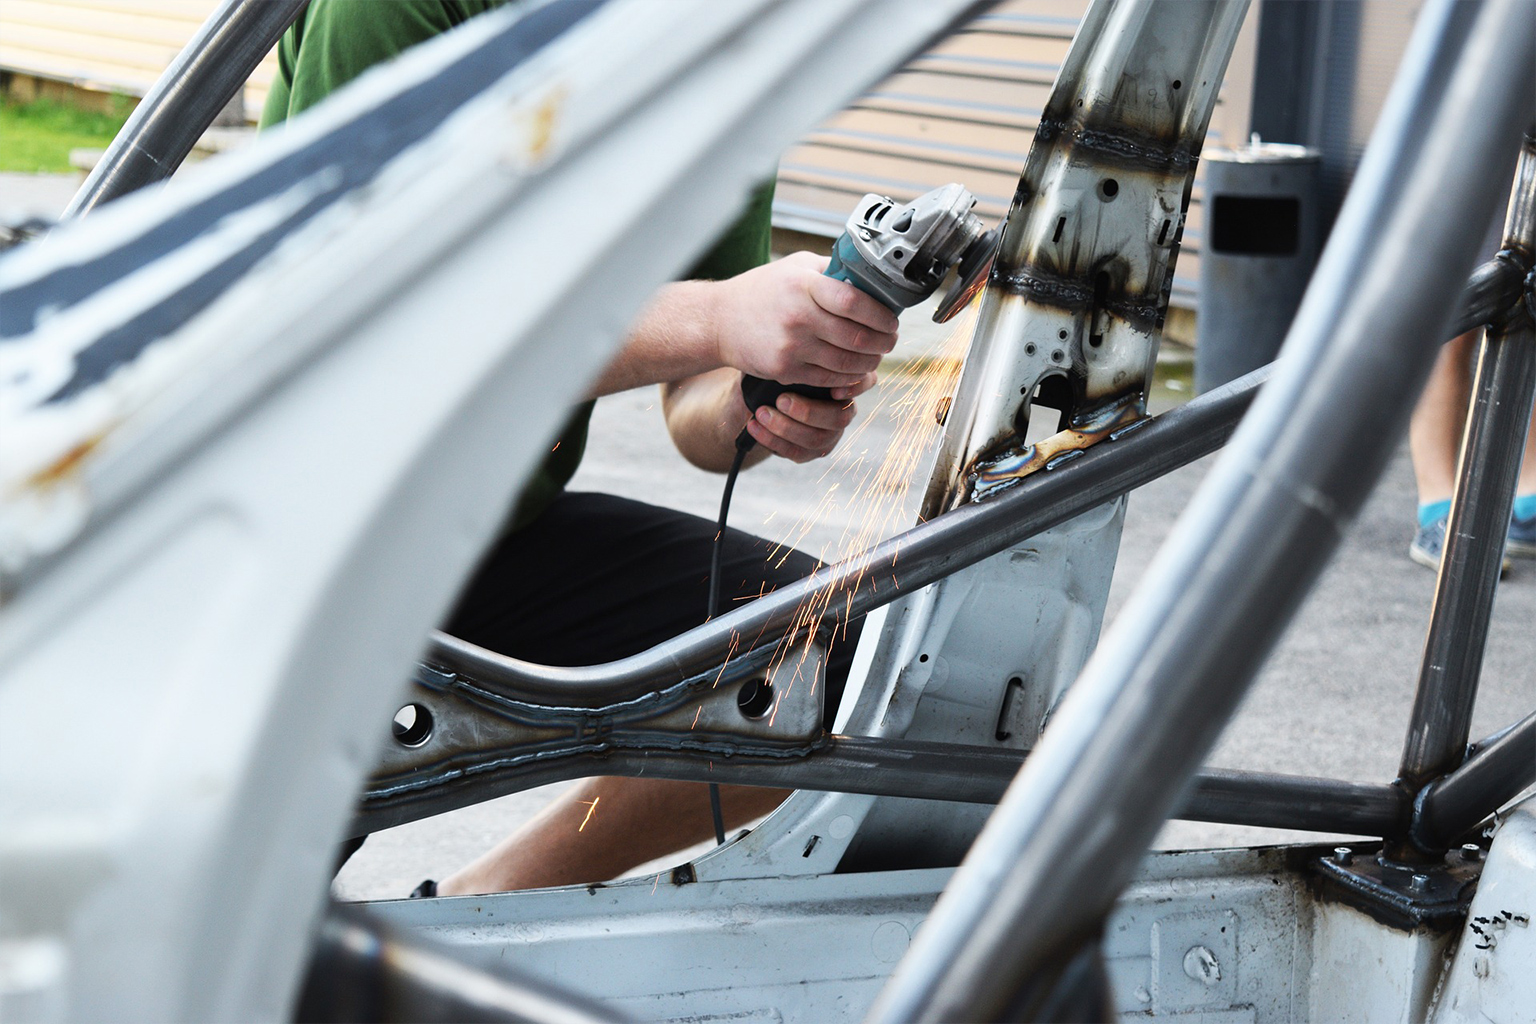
[334, 41]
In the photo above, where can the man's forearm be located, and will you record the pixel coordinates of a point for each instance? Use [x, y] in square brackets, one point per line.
[673, 338]
[704, 415]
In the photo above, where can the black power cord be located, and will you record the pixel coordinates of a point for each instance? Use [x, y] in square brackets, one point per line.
[744, 444]
[756, 392]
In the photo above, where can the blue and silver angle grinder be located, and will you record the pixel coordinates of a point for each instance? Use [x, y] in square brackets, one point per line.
[900, 255]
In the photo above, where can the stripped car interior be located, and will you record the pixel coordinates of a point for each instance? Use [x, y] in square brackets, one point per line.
[236, 494]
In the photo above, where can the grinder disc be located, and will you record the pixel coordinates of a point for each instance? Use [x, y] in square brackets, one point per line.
[970, 275]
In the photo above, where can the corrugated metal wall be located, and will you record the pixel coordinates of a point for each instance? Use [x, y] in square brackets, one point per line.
[110, 45]
[966, 111]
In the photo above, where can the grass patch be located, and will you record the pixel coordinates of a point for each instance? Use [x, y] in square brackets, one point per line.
[36, 137]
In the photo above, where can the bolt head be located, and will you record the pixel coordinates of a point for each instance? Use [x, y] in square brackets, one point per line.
[1343, 855]
[1471, 851]
[1418, 883]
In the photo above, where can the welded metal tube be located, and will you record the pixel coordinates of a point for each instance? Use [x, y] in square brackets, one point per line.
[923, 770]
[186, 98]
[1492, 449]
[1044, 874]
[930, 551]
[1497, 771]
[1298, 802]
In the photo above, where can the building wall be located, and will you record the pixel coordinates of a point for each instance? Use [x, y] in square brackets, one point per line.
[108, 45]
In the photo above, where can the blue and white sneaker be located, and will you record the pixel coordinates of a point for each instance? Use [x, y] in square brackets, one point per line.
[1429, 544]
[1522, 537]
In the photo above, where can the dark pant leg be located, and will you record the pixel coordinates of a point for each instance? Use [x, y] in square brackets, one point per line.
[596, 578]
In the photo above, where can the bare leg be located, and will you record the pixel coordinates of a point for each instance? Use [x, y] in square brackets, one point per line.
[1434, 433]
[602, 828]
[1527, 483]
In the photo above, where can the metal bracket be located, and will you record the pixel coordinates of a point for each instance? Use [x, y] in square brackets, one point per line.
[762, 704]
[1400, 894]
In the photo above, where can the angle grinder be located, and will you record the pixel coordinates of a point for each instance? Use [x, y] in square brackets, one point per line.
[900, 255]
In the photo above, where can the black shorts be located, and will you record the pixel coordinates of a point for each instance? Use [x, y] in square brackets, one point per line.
[596, 578]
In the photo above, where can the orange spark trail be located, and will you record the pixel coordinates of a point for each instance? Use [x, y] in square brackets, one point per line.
[590, 808]
[877, 490]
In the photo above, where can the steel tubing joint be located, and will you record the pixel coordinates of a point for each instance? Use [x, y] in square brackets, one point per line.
[1503, 390]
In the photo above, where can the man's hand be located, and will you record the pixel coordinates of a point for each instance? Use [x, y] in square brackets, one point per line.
[787, 321]
[802, 429]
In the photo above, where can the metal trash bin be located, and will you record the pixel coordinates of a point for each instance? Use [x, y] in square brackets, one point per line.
[1262, 236]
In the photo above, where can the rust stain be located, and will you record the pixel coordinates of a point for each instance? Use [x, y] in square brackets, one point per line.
[541, 123]
[65, 466]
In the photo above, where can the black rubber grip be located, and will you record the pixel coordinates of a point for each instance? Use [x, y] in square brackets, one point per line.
[757, 392]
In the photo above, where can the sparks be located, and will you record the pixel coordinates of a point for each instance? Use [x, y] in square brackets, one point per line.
[591, 806]
[878, 487]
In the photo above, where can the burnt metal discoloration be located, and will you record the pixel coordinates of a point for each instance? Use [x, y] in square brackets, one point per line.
[1089, 244]
[1120, 147]
[1001, 468]
[1077, 294]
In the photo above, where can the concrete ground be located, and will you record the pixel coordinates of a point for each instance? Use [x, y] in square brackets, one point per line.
[1333, 699]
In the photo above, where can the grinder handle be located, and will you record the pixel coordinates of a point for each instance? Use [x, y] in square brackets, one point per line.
[756, 391]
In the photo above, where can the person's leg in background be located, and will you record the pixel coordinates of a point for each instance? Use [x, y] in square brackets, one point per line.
[1434, 441]
[1522, 526]
[598, 578]
[1434, 438]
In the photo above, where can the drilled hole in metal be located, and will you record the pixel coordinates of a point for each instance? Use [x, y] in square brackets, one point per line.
[1062, 334]
[1177, 84]
[1029, 349]
[1058, 355]
[1109, 188]
[754, 698]
[412, 725]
